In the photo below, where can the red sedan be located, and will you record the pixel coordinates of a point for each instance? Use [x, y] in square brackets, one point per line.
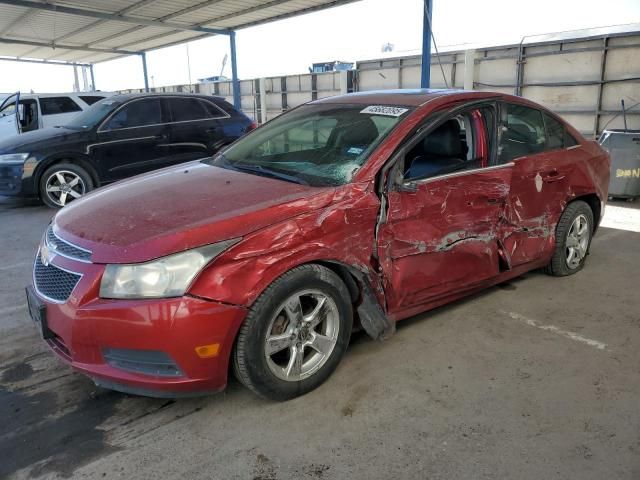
[358, 210]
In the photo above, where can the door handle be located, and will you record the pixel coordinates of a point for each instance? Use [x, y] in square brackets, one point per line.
[552, 176]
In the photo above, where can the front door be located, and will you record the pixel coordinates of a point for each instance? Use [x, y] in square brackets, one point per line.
[9, 116]
[135, 139]
[441, 233]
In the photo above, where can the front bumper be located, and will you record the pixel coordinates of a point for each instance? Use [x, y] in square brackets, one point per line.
[11, 179]
[85, 327]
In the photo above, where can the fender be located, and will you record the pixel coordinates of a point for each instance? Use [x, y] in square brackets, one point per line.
[338, 235]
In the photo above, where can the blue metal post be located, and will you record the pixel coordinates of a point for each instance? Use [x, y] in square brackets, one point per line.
[234, 72]
[425, 79]
[143, 56]
[93, 79]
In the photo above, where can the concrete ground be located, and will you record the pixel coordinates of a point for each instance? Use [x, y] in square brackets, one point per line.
[535, 379]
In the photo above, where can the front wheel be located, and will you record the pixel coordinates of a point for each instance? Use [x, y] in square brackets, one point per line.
[573, 239]
[295, 334]
[64, 182]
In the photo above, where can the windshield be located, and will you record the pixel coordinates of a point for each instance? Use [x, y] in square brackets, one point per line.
[318, 145]
[93, 115]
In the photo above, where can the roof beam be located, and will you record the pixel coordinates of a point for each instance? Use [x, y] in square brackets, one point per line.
[161, 19]
[46, 62]
[16, 41]
[130, 8]
[17, 21]
[52, 7]
[284, 16]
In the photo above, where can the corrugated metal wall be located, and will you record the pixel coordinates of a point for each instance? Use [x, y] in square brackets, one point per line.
[582, 79]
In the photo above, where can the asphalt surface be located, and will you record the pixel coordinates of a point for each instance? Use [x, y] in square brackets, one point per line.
[535, 379]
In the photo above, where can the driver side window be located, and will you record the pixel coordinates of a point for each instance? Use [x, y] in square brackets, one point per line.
[457, 144]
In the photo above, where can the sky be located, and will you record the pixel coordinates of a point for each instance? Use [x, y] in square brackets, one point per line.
[351, 32]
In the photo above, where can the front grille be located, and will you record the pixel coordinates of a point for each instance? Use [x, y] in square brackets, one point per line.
[53, 282]
[149, 362]
[65, 248]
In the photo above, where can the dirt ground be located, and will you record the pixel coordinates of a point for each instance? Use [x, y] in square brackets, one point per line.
[535, 379]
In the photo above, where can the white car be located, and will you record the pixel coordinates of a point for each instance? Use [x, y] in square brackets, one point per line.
[41, 110]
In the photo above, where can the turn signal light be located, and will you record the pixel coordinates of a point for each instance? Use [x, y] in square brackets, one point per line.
[208, 351]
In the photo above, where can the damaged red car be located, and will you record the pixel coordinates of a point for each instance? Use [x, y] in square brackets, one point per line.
[348, 212]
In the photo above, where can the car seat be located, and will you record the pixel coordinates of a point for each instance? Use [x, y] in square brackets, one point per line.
[441, 151]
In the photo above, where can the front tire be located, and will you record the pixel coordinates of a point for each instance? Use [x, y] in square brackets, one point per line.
[62, 183]
[295, 334]
[573, 239]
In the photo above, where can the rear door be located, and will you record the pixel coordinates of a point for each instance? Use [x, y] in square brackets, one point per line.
[9, 116]
[535, 143]
[57, 110]
[132, 140]
[441, 233]
[196, 128]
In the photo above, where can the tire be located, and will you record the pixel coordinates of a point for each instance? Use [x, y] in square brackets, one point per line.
[567, 234]
[275, 315]
[55, 192]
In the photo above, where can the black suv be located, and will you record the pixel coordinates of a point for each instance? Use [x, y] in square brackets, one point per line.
[115, 138]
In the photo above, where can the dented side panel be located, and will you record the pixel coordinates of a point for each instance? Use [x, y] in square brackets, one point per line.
[343, 232]
[443, 237]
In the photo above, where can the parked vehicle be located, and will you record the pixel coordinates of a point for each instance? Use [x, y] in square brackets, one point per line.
[360, 209]
[42, 110]
[115, 138]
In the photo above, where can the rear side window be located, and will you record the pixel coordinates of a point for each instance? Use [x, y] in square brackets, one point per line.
[189, 109]
[57, 105]
[523, 133]
[138, 113]
[557, 135]
[90, 99]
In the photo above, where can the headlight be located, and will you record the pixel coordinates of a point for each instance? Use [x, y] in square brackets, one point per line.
[165, 277]
[13, 158]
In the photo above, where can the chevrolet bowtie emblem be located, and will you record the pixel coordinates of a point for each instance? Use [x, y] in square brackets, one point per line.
[46, 255]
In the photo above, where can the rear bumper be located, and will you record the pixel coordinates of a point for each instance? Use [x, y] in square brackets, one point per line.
[174, 327]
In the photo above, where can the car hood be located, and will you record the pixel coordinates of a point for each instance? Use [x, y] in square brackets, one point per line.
[26, 142]
[179, 208]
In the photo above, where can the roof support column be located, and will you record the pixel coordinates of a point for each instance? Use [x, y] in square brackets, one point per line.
[143, 57]
[93, 79]
[234, 72]
[425, 79]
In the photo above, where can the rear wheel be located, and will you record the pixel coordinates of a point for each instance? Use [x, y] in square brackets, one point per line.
[573, 239]
[295, 334]
[64, 182]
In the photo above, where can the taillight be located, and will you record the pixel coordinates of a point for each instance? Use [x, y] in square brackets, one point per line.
[252, 126]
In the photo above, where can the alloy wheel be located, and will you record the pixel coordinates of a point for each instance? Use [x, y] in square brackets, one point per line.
[577, 241]
[302, 335]
[64, 186]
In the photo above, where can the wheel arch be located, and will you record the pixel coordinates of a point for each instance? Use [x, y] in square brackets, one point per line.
[73, 158]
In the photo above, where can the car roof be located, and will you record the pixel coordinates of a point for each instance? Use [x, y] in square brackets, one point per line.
[128, 96]
[404, 97]
[66, 94]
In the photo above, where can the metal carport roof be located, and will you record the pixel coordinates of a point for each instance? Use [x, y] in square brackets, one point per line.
[92, 31]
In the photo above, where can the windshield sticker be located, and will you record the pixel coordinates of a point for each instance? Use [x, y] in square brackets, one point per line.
[384, 110]
[355, 150]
